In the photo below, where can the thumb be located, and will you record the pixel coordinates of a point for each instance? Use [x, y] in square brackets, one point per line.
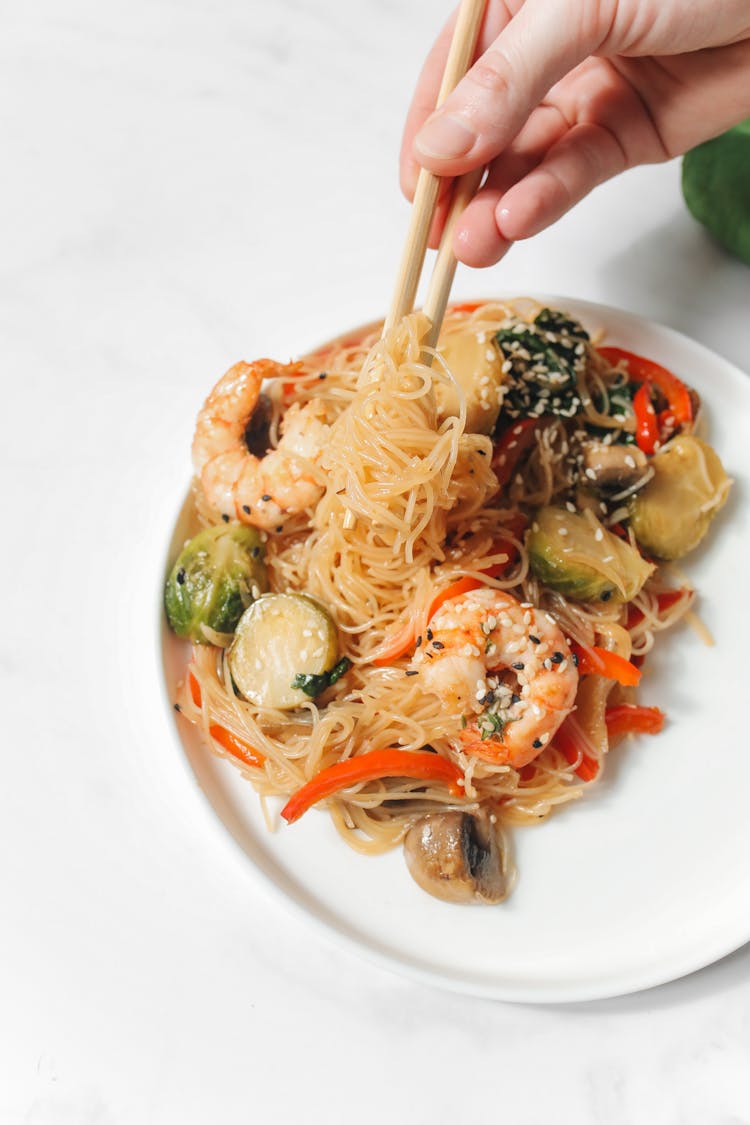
[543, 41]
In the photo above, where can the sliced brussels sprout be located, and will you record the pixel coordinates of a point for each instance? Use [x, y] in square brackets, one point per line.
[284, 651]
[670, 516]
[475, 364]
[573, 553]
[218, 574]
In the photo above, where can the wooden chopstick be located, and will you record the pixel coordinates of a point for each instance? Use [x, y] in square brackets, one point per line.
[444, 269]
[460, 55]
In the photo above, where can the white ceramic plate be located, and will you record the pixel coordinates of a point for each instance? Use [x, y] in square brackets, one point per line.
[643, 880]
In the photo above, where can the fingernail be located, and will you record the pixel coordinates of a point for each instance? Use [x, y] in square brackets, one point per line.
[444, 136]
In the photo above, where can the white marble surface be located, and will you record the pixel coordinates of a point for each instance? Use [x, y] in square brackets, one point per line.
[184, 184]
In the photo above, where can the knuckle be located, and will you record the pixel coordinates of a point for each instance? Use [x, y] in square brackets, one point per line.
[492, 74]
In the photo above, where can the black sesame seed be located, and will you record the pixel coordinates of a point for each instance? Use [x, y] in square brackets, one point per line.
[429, 634]
[246, 509]
[254, 552]
[419, 641]
[575, 658]
[265, 498]
[534, 640]
[180, 576]
[557, 658]
[482, 452]
[225, 518]
[537, 744]
[489, 698]
[515, 698]
[280, 528]
[606, 595]
[177, 707]
[412, 672]
[438, 644]
[323, 375]
[518, 666]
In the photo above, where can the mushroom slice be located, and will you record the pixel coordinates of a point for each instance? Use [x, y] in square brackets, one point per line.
[614, 468]
[457, 856]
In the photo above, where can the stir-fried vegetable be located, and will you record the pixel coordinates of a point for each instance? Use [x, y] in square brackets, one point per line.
[217, 575]
[574, 554]
[543, 361]
[419, 764]
[592, 659]
[474, 363]
[629, 718]
[645, 371]
[671, 514]
[284, 651]
[237, 747]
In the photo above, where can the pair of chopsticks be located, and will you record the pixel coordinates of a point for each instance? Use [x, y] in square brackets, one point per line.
[461, 53]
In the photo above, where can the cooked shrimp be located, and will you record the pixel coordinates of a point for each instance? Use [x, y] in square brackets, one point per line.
[505, 668]
[263, 491]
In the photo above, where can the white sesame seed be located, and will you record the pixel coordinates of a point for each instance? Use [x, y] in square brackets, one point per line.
[562, 531]
[598, 535]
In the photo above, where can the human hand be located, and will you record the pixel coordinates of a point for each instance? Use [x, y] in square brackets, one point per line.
[566, 94]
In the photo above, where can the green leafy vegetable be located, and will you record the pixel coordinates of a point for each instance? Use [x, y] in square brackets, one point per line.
[542, 361]
[314, 684]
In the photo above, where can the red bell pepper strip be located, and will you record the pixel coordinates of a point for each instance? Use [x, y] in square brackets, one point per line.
[467, 306]
[420, 764]
[647, 432]
[195, 690]
[665, 600]
[567, 744]
[642, 370]
[592, 659]
[510, 448]
[235, 746]
[629, 718]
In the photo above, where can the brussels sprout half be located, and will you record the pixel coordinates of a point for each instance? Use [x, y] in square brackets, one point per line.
[218, 574]
[670, 516]
[575, 555]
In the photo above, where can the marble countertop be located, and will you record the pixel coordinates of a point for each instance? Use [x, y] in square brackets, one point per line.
[186, 183]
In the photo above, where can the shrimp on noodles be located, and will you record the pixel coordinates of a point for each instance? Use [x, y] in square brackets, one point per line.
[261, 491]
[505, 667]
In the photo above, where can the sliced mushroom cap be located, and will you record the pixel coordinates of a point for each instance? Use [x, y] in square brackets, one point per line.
[614, 468]
[457, 856]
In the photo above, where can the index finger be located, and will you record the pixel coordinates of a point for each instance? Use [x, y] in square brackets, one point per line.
[423, 102]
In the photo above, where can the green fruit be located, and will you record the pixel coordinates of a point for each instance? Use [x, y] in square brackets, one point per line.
[716, 186]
